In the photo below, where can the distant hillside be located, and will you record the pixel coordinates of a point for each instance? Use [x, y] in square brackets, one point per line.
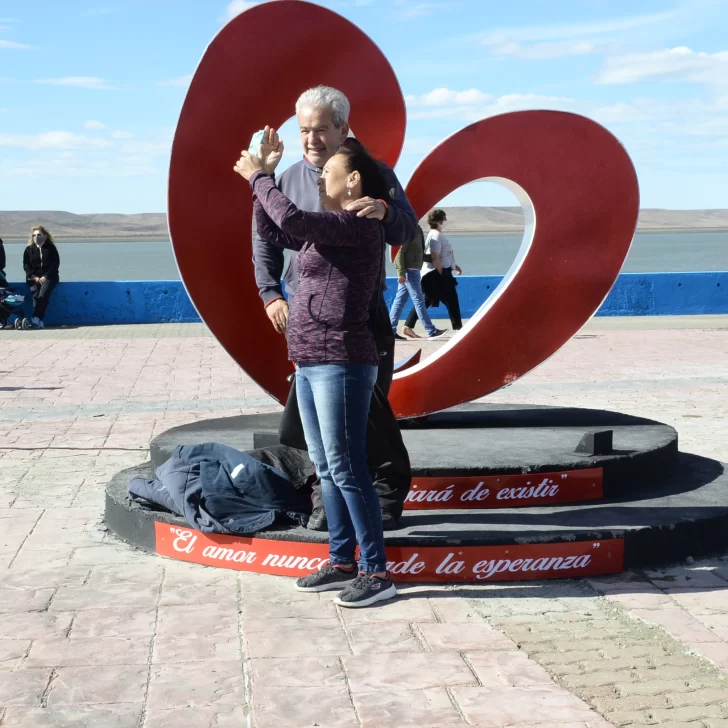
[15, 225]
[68, 225]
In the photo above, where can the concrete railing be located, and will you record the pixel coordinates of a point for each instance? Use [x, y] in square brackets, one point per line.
[136, 302]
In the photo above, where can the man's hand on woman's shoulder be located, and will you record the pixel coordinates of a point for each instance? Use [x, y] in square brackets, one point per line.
[368, 207]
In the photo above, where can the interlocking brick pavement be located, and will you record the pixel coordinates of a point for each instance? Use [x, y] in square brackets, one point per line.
[94, 634]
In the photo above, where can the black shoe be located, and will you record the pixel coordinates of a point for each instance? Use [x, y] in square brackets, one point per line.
[327, 579]
[366, 590]
[317, 520]
[438, 333]
[390, 522]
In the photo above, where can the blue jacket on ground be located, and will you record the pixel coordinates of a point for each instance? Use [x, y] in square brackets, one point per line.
[218, 489]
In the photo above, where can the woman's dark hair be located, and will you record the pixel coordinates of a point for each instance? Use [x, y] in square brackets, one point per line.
[435, 217]
[358, 159]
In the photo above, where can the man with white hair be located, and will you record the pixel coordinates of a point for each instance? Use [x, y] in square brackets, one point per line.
[323, 115]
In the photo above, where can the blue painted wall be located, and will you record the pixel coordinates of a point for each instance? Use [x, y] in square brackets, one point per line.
[126, 302]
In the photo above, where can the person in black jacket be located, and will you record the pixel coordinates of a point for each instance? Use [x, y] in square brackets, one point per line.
[2, 256]
[41, 262]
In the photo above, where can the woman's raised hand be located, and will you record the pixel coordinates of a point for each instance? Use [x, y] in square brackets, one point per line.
[248, 165]
[271, 150]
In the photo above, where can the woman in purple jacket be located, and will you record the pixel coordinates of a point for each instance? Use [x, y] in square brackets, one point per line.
[329, 340]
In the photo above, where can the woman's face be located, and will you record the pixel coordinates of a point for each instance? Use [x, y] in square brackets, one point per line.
[38, 237]
[335, 183]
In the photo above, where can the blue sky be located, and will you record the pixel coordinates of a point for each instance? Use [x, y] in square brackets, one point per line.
[90, 93]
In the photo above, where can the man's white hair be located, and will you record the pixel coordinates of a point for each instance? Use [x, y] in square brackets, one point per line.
[325, 97]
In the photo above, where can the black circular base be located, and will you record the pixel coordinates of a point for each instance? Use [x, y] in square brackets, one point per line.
[659, 505]
[686, 514]
[483, 439]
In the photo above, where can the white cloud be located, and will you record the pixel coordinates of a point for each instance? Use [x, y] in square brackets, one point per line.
[64, 167]
[471, 105]
[447, 97]
[234, 8]
[571, 31]
[676, 64]
[94, 125]
[11, 45]
[51, 140]
[118, 134]
[406, 9]
[676, 119]
[91, 82]
[179, 81]
[64, 154]
[539, 42]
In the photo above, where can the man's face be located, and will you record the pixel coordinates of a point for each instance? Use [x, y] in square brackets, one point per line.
[319, 137]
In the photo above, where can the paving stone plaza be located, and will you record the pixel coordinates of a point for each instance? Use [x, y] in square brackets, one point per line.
[95, 634]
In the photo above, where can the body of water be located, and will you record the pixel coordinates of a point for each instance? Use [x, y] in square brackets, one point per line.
[476, 254]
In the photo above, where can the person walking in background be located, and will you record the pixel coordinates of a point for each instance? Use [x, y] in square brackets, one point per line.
[3, 260]
[41, 262]
[340, 262]
[408, 262]
[438, 282]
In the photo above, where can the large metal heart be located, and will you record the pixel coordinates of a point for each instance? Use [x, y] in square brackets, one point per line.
[580, 196]
[575, 180]
[251, 74]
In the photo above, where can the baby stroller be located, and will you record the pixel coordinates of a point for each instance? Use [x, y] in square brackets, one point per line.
[11, 304]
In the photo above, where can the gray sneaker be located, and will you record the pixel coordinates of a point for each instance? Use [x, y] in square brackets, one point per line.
[326, 579]
[366, 590]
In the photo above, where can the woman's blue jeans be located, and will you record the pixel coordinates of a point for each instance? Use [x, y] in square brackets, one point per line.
[334, 403]
[411, 288]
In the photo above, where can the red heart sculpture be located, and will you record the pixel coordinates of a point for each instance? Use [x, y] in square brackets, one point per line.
[572, 173]
[580, 195]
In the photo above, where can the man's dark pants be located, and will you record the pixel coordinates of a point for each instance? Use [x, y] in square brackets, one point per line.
[387, 455]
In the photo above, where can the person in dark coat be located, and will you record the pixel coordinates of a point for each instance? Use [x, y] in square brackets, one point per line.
[2, 256]
[41, 262]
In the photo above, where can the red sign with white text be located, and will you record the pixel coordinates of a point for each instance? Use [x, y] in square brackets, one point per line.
[449, 564]
[504, 491]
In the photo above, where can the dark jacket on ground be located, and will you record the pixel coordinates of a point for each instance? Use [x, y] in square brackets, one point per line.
[339, 267]
[218, 489]
[41, 261]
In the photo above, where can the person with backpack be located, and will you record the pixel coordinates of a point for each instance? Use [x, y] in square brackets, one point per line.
[41, 262]
[408, 262]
